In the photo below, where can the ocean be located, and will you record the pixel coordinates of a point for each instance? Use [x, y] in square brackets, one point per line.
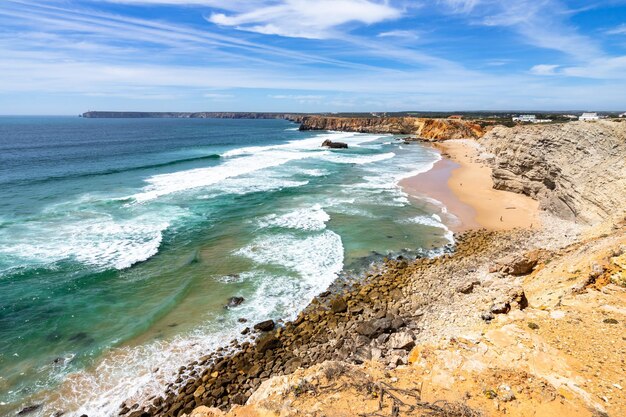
[121, 241]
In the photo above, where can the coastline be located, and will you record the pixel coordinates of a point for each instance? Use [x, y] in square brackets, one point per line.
[464, 328]
[313, 337]
[465, 187]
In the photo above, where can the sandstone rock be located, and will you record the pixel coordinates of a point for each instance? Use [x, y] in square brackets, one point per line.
[338, 305]
[198, 392]
[575, 170]
[500, 308]
[373, 328]
[268, 343]
[426, 129]
[468, 287]
[204, 411]
[402, 340]
[516, 264]
[265, 326]
[488, 316]
[397, 358]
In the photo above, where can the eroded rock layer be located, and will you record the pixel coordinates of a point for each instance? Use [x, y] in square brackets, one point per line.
[576, 170]
[434, 129]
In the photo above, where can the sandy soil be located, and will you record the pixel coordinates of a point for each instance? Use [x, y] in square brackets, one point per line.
[465, 187]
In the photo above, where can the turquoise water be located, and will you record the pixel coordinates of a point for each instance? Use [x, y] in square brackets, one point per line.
[122, 239]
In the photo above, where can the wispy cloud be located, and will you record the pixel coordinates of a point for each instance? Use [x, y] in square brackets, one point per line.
[404, 34]
[544, 69]
[218, 96]
[619, 30]
[296, 96]
[381, 55]
[540, 23]
[307, 19]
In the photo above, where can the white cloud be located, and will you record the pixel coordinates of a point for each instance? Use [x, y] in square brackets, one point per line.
[307, 19]
[544, 69]
[461, 6]
[405, 34]
[606, 68]
[619, 30]
[538, 22]
[296, 97]
[217, 96]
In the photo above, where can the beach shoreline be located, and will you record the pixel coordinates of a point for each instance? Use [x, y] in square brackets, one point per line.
[465, 188]
[435, 327]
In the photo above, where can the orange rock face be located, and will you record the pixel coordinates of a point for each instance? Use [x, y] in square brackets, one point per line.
[431, 129]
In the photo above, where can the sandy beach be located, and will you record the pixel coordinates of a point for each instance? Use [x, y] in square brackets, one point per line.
[465, 188]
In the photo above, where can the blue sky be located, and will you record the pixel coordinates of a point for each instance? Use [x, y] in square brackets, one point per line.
[69, 56]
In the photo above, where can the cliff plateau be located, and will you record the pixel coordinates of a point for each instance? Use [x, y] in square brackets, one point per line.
[431, 129]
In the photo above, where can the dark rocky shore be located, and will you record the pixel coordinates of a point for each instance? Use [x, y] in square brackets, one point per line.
[379, 318]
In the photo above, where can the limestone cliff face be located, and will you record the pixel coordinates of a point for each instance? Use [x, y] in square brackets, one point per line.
[576, 170]
[432, 129]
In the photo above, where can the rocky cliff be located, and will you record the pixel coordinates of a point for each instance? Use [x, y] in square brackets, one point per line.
[576, 170]
[432, 129]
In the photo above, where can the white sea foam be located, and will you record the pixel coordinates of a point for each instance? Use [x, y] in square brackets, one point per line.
[242, 161]
[311, 218]
[432, 221]
[164, 184]
[95, 239]
[310, 263]
[357, 159]
[253, 184]
[314, 172]
[315, 257]
[136, 373]
[426, 221]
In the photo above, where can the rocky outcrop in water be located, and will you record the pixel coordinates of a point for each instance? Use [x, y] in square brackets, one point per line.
[575, 170]
[334, 145]
[431, 129]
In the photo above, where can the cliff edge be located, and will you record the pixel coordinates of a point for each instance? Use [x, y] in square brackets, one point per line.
[432, 129]
[575, 170]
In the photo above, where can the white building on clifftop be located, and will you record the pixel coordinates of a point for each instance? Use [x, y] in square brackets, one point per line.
[589, 116]
[530, 118]
[525, 118]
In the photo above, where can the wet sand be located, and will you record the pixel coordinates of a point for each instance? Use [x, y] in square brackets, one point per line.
[433, 187]
[465, 188]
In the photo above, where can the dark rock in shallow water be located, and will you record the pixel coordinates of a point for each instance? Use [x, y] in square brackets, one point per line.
[53, 337]
[242, 320]
[29, 409]
[265, 326]
[81, 337]
[234, 302]
[334, 145]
